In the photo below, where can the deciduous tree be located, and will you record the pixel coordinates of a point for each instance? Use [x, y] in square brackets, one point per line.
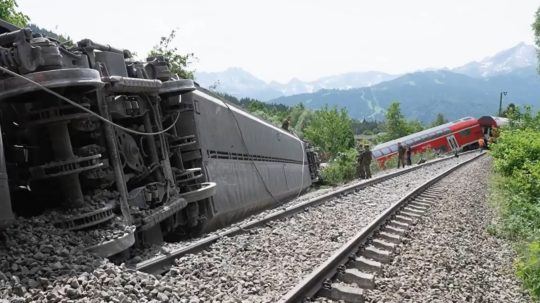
[9, 13]
[330, 129]
[439, 120]
[178, 63]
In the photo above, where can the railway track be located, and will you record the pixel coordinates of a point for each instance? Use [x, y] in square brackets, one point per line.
[350, 270]
[161, 264]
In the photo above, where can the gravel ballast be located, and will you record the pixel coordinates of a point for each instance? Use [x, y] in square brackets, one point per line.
[264, 264]
[165, 248]
[258, 266]
[450, 256]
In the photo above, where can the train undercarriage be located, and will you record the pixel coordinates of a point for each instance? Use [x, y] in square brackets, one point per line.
[94, 138]
[104, 143]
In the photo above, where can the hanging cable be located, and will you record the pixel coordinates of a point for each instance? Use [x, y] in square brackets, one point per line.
[247, 151]
[77, 105]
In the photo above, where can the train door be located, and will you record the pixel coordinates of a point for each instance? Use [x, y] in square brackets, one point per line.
[452, 142]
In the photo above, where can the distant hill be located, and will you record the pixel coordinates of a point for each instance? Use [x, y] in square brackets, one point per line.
[517, 57]
[240, 83]
[424, 94]
[471, 89]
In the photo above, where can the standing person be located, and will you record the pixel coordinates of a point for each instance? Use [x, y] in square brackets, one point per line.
[359, 168]
[366, 161]
[401, 155]
[286, 123]
[409, 154]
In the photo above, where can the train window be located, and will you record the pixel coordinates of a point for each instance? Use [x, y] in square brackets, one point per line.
[439, 133]
[393, 148]
[446, 131]
[465, 132]
[386, 151]
[377, 153]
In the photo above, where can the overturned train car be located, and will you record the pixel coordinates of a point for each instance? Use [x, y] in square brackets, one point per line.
[93, 134]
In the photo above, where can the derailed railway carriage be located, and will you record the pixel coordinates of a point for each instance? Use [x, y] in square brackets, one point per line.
[90, 134]
[459, 135]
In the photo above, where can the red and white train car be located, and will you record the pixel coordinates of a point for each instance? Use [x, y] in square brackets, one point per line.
[457, 135]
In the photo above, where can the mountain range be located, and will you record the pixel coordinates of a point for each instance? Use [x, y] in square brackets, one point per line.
[240, 83]
[469, 90]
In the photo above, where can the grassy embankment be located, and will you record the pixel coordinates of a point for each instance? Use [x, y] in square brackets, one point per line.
[515, 193]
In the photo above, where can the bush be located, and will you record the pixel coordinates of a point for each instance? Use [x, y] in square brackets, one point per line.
[528, 268]
[514, 148]
[517, 159]
[341, 169]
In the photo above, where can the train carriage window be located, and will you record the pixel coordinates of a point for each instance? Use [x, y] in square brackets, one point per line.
[377, 153]
[465, 132]
[393, 148]
[439, 133]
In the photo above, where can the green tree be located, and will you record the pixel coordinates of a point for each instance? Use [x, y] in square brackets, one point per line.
[536, 29]
[439, 120]
[396, 125]
[178, 63]
[9, 13]
[330, 129]
[414, 126]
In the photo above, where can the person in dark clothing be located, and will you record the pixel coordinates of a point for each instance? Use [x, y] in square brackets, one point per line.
[286, 123]
[359, 168]
[401, 155]
[408, 155]
[366, 161]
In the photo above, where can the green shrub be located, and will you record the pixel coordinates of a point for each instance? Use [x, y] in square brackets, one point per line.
[341, 169]
[514, 148]
[517, 159]
[528, 268]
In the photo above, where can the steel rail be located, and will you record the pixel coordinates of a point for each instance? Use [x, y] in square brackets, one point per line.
[161, 264]
[310, 285]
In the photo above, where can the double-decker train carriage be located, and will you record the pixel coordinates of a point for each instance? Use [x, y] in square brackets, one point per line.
[94, 132]
[462, 134]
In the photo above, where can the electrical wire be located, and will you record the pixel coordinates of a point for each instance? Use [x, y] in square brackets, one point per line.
[254, 164]
[75, 104]
[247, 151]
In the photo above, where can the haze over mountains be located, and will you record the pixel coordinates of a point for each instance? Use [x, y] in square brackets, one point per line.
[239, 83]
[471, 89]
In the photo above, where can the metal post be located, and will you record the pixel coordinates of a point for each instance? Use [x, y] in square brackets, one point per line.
[6, 215]
[500, 105]
[500, 102]
[110, 139]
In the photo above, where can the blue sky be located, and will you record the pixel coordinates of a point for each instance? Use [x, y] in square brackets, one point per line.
[306, 39]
